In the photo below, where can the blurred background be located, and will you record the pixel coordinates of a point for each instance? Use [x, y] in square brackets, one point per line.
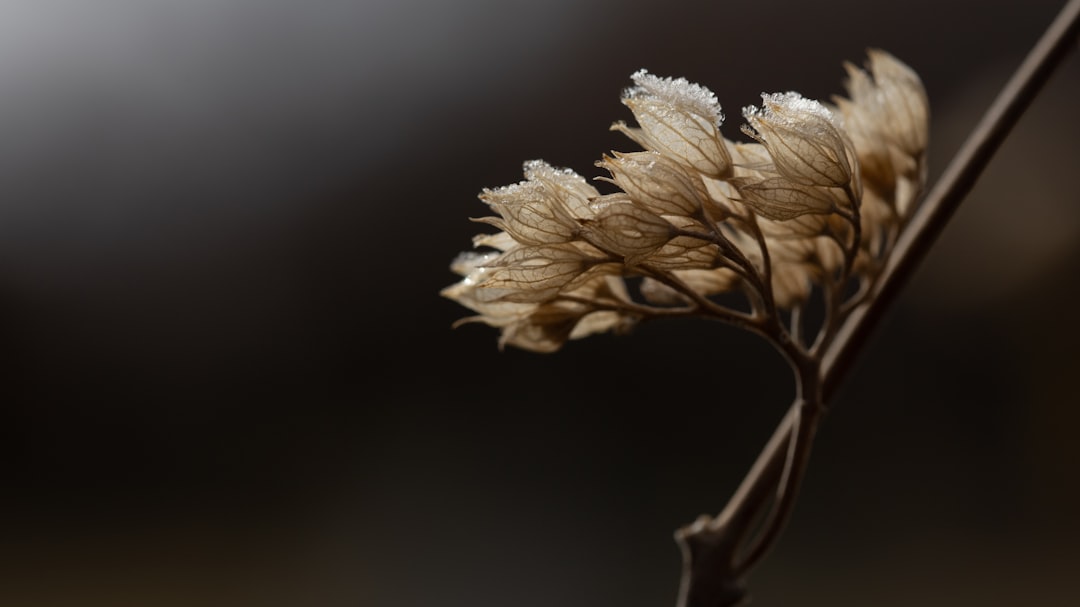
[228, 378]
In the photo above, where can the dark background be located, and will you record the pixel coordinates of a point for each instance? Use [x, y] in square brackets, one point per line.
[228, 378]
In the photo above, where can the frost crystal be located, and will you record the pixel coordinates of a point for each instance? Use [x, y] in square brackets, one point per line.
[677, 92]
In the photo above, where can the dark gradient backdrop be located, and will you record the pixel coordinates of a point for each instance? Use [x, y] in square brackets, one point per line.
[228, 379]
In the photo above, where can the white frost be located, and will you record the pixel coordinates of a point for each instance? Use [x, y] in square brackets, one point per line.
[678, 92]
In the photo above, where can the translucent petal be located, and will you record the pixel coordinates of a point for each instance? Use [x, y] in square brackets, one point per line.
[802, 138]
[545, 330]
[658, 293]
[636, 135]
[597, 322]
[753, 157]
[704, 281]
[532, 273]
[534, 221]
[803, 226]
[627, 230]
[501, 241]
[888, 118]
[493, 313]
[780, 199]
[469, 262]
[683, 252]
[679, 119]
[905, 96]
[677, 92]
[656, 183]
[571, 190]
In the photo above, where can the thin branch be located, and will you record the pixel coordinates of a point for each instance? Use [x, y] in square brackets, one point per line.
[798, 456]
[708, 308]
[760, 482]
[795, 323]
[630, 306]
[766, 261]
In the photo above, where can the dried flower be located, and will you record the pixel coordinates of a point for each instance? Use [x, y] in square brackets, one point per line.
[628, 231]
[680, 120]
[656, 183]
[779, 198]
[886, 117]
[802, 138]
[698, 216]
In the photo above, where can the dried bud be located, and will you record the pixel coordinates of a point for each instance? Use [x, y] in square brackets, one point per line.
[904, 101]
[546, 327]
[780, 199]
[698, 216]
[551, 325]
[680, 120]
[656, 183]
[533, 274]
[544, 208]
[571, 190]
[545, 330]
[473, 266]
[887, 117]
[682, 253]
[802, 138]
[627, 230]
[529, 213]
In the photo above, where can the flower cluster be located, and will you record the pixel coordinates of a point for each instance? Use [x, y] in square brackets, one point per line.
[813, 204]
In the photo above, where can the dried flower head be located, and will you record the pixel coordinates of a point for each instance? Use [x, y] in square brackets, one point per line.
[697, 216]
[803, 139]
[678, 119]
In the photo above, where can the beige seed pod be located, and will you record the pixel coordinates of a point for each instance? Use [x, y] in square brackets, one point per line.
[802, 138]
[627, 230]
[779, 199]
[680, 120]
[656, 183]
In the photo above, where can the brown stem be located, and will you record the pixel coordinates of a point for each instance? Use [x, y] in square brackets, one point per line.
[713, 572]
[808, 414]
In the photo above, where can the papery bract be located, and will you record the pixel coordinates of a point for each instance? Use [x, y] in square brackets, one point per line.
[680, 120]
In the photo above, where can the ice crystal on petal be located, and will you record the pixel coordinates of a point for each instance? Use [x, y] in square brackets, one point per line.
[802, 138]
[679, 119]
[677, 92]
[571, 189]
[530, 213]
